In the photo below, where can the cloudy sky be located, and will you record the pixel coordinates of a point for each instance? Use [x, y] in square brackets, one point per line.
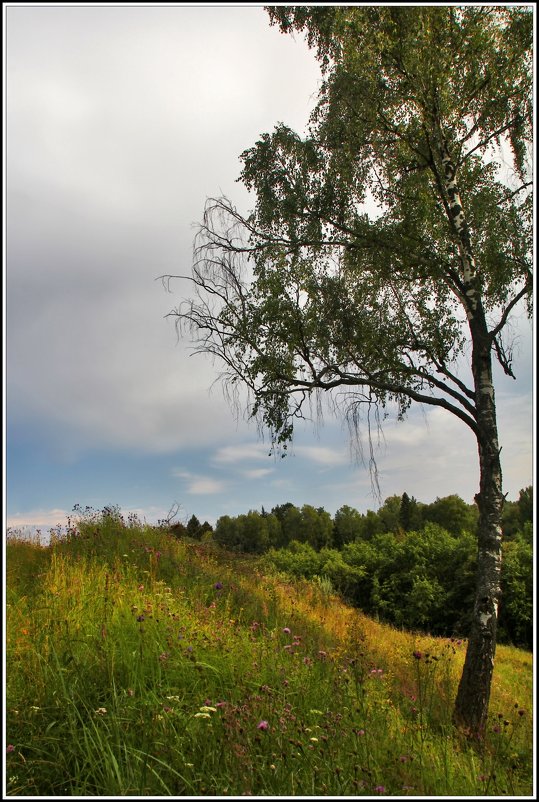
[121, 121]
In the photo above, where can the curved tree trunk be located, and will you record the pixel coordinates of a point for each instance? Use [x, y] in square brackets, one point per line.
[471, 706]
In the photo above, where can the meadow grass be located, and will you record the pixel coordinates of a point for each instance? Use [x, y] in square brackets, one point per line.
[139, 664]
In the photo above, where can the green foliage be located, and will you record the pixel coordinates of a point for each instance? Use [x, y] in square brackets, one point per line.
[452, 513]
[316, 526]
[516, 609]
[194, 528]
[525, 505]
[346, 525]
[422, 578]
[389, 514]
[248, 533]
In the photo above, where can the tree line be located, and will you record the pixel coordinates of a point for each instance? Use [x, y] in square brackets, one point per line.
[409, 563]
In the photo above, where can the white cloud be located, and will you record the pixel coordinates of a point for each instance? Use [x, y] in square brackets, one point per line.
[244, 452]
[323, 455]
[37, 519]
[200, 485]
[257, 473]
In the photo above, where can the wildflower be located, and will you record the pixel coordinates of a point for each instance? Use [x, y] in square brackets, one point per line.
[496, 729]
[262, 725]
[417, 655]
[10, 748]
[316, 712]
[140, 587]
[140, 618]
[360, 732]
[101, 711]
[314, 740]
[218, 585]
[130, 692]
[286, 630]
[521, 713]
[164, 656]
[202, 715]
[404, 758]
[167, 709]
[208, 709]
[380, 789]
[322, 654]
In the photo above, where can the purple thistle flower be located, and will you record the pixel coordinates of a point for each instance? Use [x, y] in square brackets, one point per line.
[218, 585]
[262, 725]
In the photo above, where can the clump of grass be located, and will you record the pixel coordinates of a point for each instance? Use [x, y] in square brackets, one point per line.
[139, 664]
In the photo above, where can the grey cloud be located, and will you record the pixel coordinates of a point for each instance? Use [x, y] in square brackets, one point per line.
[121, 121]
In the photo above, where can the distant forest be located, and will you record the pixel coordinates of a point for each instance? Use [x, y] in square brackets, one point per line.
[410, 564]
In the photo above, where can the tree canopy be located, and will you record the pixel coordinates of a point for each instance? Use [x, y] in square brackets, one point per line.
[362, 259]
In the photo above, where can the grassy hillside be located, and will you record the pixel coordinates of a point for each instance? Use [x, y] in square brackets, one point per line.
[139, 664]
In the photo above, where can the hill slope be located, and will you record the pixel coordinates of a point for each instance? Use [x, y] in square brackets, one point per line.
[139, 664]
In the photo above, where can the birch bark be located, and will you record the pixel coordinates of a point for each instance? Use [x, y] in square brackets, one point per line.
[471, 705]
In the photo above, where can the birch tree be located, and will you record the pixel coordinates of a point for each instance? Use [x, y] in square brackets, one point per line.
[388, 247]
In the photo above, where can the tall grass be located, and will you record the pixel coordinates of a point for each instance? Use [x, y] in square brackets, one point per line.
[139, 664]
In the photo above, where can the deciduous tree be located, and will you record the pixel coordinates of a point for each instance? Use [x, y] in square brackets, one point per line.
[390, 242]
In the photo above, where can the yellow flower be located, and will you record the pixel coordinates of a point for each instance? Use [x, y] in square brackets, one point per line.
[202, 715]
